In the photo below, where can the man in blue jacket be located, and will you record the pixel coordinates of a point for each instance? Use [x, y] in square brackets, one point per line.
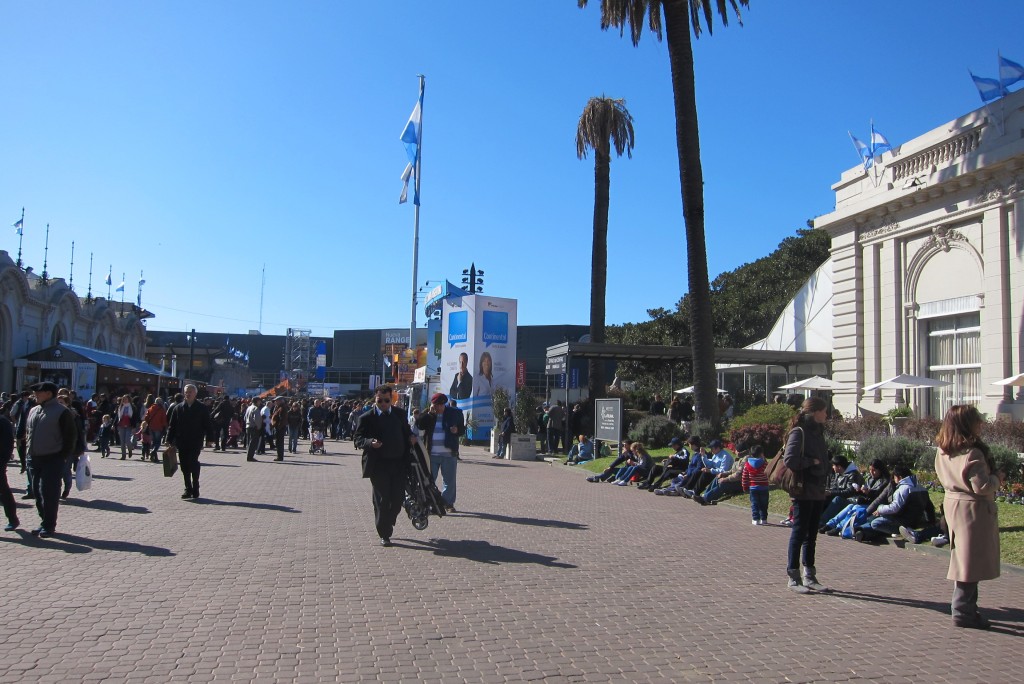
[440, 429]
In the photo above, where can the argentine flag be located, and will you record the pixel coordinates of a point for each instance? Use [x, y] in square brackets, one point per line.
[1009, 73]
[862, 151]
[107, 281]
[879, 143]
[119, 288]
[988, 88]
[411, 136]
[18, 226]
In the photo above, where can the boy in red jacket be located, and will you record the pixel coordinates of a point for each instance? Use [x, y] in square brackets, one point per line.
[755, 481]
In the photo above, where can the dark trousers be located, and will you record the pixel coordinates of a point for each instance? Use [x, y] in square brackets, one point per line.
[612, 469]
[279, 436]
[698, 481]
[252, 440]
[660, 475]
[47, 480]
[222, 436]
[388, 494]
[965, 599]
[188, 461]
[7, 496]
[804, 533]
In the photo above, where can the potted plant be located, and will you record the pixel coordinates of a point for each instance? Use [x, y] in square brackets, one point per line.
[896, 417]
[523, 446]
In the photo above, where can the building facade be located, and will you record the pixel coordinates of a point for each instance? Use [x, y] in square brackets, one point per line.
[36, 313]
[928, 267]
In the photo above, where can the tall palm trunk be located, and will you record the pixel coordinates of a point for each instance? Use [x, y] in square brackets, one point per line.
[599, 264]
[691, 182]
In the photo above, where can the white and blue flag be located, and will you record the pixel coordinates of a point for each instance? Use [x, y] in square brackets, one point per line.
[119, 288]
[1010, 72]
[879, 143]
[19, 226]
[107, 280]
[988, 88]
[411, 136]
[863, 151]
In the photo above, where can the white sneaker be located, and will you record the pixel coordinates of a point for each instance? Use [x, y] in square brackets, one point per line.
[622, 483]
[755, 522]
[940, 540]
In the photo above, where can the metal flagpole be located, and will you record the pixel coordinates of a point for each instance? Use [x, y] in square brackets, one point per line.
[46, 252]
[88, 297]
[71, 275]
[21, 235]
[416, 223]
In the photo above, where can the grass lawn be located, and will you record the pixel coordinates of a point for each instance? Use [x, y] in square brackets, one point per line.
[1011, 516]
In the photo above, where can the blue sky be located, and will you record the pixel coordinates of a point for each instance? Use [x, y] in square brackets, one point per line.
[196, 141]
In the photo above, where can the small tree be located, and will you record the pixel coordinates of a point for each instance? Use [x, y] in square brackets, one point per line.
[524, 413]
[499, 402]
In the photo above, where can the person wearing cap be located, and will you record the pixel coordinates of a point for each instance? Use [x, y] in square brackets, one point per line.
[717, 462]
[187, 430]
[51, 439]
[675, 464]
[384, 436]
[441, 428]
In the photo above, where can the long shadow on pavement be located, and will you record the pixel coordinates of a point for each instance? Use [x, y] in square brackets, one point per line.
[536, 522]
[246, 504]
[112, 477]
[1002, 614]
[482, 552]
[495, 463]
[104, 505]
[209, 464]
[71, 543]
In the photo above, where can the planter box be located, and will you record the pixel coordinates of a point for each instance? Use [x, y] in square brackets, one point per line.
[522, 448]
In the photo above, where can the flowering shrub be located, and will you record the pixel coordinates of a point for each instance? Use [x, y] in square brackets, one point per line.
[769, 435]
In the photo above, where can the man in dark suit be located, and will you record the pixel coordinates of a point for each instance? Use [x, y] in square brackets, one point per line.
[385, 437]
[462, 383]
[187, 428]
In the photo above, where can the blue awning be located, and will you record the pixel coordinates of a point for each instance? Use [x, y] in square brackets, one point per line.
[112, 360]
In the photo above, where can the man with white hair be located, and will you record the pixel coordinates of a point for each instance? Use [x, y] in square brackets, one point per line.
[189, 425]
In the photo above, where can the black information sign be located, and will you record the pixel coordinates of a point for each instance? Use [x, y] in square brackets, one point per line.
[608, 420]
[555, 365]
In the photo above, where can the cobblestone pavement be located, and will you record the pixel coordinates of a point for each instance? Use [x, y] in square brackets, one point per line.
[276, 575]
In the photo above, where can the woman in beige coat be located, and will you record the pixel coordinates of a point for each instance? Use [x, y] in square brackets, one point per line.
[967, 472]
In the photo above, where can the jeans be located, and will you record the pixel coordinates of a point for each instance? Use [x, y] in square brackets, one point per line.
[67, 477]
[880, 523]
[47, 475]
[804, 533]
[157, 436]
[759, 504]
[502, 446]
[447, 465]
[125, 434]
[293, 439]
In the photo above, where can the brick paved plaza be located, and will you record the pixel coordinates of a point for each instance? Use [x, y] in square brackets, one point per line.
[276, 575]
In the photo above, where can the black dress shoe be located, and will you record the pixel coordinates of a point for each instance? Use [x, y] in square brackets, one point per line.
[36, 531]
[385, 541]
[187, 494]
[11, 526]
[46, 534]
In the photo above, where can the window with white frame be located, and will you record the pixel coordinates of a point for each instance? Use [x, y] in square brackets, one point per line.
[954, 355]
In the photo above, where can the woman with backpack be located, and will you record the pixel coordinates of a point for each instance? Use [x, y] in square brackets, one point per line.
[806, 455]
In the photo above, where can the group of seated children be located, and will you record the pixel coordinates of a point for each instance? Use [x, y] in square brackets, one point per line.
[884, 504]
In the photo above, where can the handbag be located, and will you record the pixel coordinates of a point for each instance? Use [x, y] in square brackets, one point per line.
[783, 477]
[83, 476]
[170, 460]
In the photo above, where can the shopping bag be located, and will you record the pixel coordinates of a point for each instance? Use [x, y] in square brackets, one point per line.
[83, 476]
[170, 461]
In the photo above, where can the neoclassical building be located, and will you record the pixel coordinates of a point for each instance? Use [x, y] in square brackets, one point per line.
[928, 266]
[36, 314]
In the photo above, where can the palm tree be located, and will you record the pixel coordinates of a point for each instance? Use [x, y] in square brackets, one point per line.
[680, 16]
[604, 122]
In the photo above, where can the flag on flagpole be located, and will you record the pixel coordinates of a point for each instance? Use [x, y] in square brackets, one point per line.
[107, 281]
[863, 151]
[879, 143]
[141, 282]
[18, 226]
[988, 88]
[119, 288]
[1010, 72]
[411, 136]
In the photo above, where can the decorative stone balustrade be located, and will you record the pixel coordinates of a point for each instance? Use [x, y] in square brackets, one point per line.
[938, 154]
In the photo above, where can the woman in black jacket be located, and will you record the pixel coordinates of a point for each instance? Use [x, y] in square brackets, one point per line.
[807, 456]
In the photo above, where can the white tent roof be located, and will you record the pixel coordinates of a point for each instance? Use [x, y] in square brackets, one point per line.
[806, 322]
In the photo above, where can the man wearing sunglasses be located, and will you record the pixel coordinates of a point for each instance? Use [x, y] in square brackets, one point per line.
[384, 436]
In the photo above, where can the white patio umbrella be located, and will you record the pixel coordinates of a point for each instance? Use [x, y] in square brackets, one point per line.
[689, 390]
[1015, 381]
[904, 382]
[813, 383]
